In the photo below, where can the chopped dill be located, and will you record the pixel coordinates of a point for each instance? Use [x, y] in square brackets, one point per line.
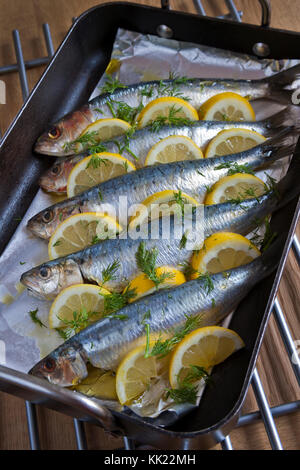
[116, 301]
[208, 284]
[111, 85]
[35, 319]
[109, 273]
[162, 348]
[171, 120]
[96, 161]
[188, 269]
[146, 262]
[183, 241]
[234, 168]
[187, 391]
[79, 321]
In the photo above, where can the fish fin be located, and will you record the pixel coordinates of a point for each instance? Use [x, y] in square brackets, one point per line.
[281, 145]
[289, 116]
[288, 187]
[279, 81]
[286, 77]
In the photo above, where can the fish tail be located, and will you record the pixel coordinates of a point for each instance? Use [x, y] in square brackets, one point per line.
[272, 256]
[281, 145]
[289, 116]
[288, 187]
[279, 81]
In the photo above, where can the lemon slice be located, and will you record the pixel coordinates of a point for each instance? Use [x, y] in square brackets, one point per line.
[204, 347]
[100, 130]
[79, 298]
[232, 141]
[81, 230]
[163, 203]
[174, 148]
[222, 251]
[96, 169]
[161, 107]
[136, 373]
[227, 106]
[237, 186]
[144, 286]
[98, 383]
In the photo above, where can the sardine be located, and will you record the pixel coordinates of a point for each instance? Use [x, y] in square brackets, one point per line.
[47, 280]
[105, 343]
[191, 177]
[54, 141]
[201, 132]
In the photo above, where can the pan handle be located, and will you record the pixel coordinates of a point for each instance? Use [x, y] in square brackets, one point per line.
[39, 391]
[265, 11]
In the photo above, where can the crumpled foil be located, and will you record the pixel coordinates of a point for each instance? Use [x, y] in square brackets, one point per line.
[135, 58]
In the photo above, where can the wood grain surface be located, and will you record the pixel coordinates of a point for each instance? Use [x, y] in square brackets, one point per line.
[57, 430]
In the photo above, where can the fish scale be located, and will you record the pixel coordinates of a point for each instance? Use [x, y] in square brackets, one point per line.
[191, 177]
[89, 264]
[104, 343]
[196, 90]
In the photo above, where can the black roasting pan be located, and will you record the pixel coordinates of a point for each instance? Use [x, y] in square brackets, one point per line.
[66, 84]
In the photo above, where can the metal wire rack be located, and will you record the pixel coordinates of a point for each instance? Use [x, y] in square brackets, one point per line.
[266, 413]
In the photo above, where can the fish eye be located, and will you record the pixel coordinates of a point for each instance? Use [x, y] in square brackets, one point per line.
[49, 365]
[54, 133]
[56, 170]
[44, 272]
[47, 216]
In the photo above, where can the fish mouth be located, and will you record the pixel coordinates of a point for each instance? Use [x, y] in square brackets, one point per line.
[44, 149]
[31, 287]
[37, 228]
[69, 369]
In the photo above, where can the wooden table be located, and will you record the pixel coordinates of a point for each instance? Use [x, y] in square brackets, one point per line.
[56, 430]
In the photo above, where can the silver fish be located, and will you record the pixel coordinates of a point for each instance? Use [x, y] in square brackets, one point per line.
[47, 280]
[191, 177]
[201, 132]
[104, 343]
[55, 140]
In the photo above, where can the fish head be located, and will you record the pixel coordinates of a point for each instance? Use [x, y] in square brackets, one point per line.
[65, 366]
[44, 224]
[48, 279]
[54, 180]
[59, 139]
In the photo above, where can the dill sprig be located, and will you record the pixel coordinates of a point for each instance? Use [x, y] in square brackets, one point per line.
[172, 120]
[162, 348]
[109, 273]
[208, 284]
[234, 168]
[116, 300]
[188, 269]
[146, 262]
[184, 394]
[35, 318]
[187, 391]
[124, 143]
[89, 140]
[96, 161]
[111, 85]
[263, 243]
[183, 241]
[79, 321]
[124, 111]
